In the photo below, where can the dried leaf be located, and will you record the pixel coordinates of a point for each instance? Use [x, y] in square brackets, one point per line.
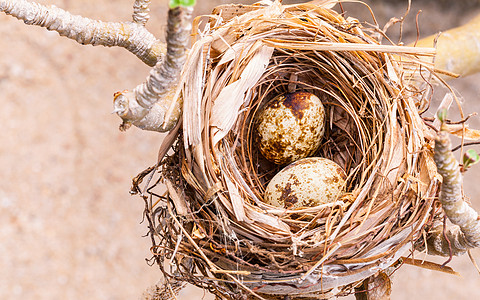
[236, 199]
[230, 11]
[394, 149]
[192, 121]
[178, 202]
[462, 131]
[267, 221]
[429, 265]
[227, 105]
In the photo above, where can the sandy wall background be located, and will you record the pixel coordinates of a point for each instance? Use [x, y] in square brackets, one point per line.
[68, 227]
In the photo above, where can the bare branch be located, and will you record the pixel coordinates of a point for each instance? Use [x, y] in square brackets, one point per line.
[163, 75]
[465, 234]
[159, 91]
[129, 35]
[140, 12]
[153, 118]
[457, 48]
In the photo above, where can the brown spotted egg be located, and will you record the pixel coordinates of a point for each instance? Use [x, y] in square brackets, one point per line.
[290, 127]
[307, 182]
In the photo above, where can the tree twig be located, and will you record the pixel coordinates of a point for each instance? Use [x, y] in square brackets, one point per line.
[147, 106]
[140, 12]
[132, 36]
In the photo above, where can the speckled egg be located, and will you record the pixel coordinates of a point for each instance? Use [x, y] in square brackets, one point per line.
[290, 127]
[307, 182]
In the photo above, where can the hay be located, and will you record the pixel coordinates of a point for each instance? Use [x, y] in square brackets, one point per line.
[211, 224]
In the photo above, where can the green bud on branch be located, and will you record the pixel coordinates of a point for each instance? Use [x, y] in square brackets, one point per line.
[182, 3]
[442, 115]
[470, 158]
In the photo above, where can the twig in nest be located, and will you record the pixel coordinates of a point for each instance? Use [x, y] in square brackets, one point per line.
[456, 148]
[428, 265]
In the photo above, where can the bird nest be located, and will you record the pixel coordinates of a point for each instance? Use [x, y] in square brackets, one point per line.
[205, 202]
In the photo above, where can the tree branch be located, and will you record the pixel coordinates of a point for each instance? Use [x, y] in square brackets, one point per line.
[132, 36]
[155, 105]
[140, 12]
[465, 233]
[167, 72]
[457, 48]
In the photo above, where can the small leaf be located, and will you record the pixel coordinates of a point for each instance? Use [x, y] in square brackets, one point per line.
[442, 115]
[470, 158]
[182, 3]
[462, 131]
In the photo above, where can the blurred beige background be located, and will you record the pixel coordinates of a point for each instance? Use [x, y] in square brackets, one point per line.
[68, 227]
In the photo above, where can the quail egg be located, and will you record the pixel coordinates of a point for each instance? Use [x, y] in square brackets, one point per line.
[290, 127]
[307, 182]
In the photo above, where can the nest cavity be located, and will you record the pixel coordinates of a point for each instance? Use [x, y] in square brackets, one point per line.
[212, 225]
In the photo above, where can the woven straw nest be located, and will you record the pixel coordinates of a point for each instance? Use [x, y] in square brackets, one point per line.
[212, 225]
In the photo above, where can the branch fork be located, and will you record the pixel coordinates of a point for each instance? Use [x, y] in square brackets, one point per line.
[153, 105]
[132, 36]
[156, 104]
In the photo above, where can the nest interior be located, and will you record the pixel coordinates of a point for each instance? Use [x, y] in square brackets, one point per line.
[212, 224]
